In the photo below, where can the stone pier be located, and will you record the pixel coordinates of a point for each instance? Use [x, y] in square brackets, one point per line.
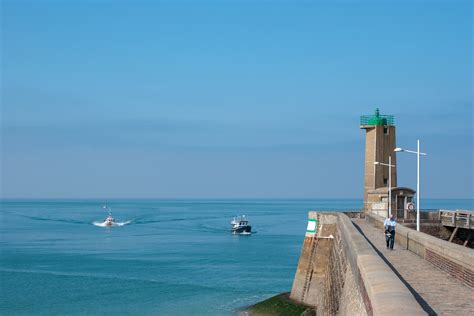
[345, 269]
[339, 272]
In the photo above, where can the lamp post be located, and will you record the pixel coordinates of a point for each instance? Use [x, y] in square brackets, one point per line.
[389, 165]
[418, 153]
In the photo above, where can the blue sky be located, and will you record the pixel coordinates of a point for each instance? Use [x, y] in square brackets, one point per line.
[225, 99]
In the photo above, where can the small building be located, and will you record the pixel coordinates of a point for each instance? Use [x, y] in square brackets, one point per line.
[377, 201]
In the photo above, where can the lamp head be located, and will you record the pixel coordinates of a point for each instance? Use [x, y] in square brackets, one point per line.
[398, 149]
[376, 163]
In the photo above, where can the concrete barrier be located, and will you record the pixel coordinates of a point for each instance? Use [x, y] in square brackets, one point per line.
[353, 280]
[451, 258]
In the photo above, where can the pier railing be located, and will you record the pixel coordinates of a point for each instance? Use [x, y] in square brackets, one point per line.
[457, 218]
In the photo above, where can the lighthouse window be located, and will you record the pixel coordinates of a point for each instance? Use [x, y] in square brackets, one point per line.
[385, 130]
[385, 181]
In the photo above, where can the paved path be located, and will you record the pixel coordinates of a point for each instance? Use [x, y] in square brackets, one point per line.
[435, 290]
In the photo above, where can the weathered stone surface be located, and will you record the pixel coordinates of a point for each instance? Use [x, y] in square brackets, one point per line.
[351, 301]
[314, 262]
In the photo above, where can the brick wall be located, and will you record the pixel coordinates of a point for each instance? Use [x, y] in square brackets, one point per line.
[456, 270]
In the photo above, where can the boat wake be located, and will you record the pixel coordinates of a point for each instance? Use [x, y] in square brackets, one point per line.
[244, 233]
[116, 224]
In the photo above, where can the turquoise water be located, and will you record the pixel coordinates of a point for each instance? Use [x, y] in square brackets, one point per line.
[174, 257]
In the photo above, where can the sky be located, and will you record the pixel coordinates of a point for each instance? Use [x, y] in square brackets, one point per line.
[231, 99]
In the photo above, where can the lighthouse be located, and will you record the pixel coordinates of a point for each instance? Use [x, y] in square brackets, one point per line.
[380, 141]
[379, 146]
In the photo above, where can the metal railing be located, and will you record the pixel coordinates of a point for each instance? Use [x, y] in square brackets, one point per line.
[386, 120]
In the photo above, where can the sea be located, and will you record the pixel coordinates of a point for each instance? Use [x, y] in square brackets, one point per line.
[167, 257]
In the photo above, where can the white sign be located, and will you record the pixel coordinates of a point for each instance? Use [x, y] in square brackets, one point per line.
[311, 226]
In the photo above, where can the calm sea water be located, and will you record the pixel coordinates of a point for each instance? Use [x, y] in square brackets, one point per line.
[174, 257]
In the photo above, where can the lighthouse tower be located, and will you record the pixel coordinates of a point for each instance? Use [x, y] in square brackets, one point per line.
[379, 146]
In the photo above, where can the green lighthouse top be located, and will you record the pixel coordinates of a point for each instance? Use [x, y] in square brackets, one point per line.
[376, 119]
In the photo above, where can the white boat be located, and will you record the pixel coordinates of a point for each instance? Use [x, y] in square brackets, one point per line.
[109, 221]
[240, 225]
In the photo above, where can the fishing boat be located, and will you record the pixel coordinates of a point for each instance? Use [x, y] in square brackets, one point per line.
[240, 225]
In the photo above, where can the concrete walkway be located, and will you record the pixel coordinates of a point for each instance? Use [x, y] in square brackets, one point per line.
[435, 290]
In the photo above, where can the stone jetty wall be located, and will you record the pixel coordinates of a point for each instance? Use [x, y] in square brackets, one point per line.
[339, 273]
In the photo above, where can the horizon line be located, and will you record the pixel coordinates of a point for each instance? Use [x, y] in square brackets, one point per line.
[211, 198]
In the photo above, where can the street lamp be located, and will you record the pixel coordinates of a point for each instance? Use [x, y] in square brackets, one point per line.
[389, 165]
[418, 153]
